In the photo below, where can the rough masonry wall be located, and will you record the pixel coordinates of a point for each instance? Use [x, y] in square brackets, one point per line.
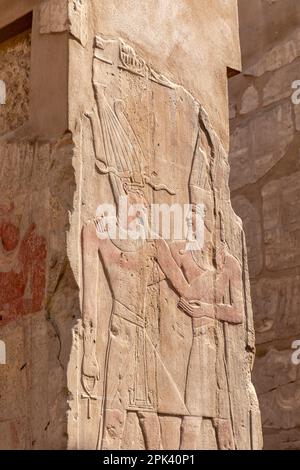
[37, 307]
[33, 280]
[15, 67]
[265, 187]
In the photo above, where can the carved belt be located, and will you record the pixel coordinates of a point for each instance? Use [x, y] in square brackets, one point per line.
[123, 312]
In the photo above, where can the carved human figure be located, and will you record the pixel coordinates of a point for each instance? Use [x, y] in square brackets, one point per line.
[219, 289]
[229, 284]
[22, 268]
[216, 281]
[133, 368]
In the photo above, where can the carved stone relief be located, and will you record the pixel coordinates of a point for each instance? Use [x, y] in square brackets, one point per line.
[144, 301]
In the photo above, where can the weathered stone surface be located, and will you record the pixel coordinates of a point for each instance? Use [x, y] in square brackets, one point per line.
[14, 72]
[280, 55]
[281, 212]
[279, 85]
[265, 183]
[252, 225]
[259, 143]
[249, 101]
[53, 16]
[36, 288]
[124, 343]
[277, 382]
[276, 303]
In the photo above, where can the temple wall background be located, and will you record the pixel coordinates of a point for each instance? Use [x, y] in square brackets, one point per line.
[37, 307]
[265, 188]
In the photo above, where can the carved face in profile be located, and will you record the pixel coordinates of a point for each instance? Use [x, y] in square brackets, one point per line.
[204, 256]
[195, 216]
[137, 213]
[130, 216]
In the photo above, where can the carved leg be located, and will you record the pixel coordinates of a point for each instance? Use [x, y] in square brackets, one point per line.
[224, 434]
[150, 426]
[170, 432]
[190, 432]
[113, 429]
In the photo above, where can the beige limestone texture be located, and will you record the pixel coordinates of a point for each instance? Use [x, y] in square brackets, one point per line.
[265, 188]
[15, 67]
[113, 343]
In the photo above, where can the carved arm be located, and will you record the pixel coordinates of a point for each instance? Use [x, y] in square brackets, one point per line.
[170, 268]
[90, 267]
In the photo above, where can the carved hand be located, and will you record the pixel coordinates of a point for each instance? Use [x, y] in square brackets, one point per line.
[90, 372]
[101, 228]
[194, 292]
[229, 314]
[90, 366]
[196, 309]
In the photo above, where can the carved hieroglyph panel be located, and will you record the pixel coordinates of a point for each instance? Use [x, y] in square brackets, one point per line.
[279, 56]
[164, 327]
[78, 11]
[281, 209]
[277, 381]
[14, 72]
[259, 143]
[276, 304]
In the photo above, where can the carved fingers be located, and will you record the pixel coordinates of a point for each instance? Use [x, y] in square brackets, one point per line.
[90, 371]
[196, 309]
[229, 313]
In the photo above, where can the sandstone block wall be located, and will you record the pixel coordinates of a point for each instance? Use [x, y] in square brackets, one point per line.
[265, 189]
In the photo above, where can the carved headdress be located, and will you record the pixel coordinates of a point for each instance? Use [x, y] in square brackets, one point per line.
[124, 159]
[200, 191]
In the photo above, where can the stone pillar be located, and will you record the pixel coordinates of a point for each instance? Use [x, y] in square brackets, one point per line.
[114, 110]
[265, 184]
